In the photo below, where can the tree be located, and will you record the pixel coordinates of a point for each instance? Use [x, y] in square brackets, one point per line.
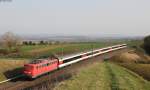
[25, 43]
[42, 42]
[10, 41]
[30, 43]
[147, 44]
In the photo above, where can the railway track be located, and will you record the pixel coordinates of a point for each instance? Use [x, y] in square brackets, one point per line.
[54, 77]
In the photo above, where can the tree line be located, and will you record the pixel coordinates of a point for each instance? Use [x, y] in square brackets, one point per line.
[42, 42]
[12, 43]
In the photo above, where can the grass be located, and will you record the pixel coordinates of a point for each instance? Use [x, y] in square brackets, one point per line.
[25, 48]
[34, 51]
[39, 47]
[104, 76]
[41, 50]
[131, 57]
[126, 58]
[135, 61]
[94, 77]
[134, 42]
[141, 69]
[124, 79]
[10, 67]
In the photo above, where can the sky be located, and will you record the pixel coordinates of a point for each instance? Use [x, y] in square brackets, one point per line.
[76, 17]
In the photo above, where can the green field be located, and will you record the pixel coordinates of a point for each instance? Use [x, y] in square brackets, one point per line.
[34, 51]
[104, 76]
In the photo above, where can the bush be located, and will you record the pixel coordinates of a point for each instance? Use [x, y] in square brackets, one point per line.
[3, 51]
[146, 44]
[25, 43]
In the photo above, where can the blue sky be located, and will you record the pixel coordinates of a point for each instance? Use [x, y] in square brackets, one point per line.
[76, 17]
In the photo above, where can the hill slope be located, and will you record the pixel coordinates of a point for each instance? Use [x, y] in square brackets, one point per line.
[104, 76]
[10, 68]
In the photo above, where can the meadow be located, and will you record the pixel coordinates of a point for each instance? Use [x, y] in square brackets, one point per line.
[104, 76]
[10, 67]
[34, 51]
[134, 61]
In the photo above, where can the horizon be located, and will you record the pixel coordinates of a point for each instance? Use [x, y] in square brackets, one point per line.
[74, 35]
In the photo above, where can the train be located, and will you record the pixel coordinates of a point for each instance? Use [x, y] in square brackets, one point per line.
[42, 66]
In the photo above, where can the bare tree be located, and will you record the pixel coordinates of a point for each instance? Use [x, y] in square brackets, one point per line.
[10, 41]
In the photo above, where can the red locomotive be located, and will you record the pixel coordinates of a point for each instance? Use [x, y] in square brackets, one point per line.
[41, 66]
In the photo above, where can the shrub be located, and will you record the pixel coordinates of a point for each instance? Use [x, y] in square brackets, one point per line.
[3, 51]
[146, 44]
